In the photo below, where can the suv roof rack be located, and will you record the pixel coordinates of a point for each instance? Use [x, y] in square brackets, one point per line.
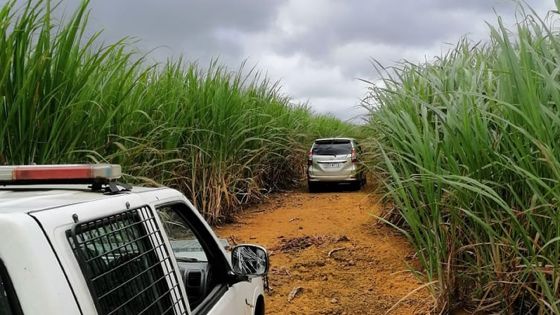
[95, 174]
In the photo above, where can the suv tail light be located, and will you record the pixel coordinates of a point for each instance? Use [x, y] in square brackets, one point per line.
[310, 157]
[354, 156]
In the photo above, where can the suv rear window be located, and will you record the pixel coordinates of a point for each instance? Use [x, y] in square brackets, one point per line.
[332, 147]
[126, 264]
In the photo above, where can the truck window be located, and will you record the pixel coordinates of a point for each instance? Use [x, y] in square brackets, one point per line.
[9, 304]
[126, 264]
[186, 246]
[192, 257]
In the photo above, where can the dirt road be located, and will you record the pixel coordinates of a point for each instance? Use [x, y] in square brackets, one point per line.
[329, 255]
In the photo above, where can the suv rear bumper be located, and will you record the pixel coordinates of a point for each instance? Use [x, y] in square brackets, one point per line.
[337, 178]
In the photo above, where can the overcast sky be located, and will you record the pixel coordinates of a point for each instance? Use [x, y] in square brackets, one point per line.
[317, 49]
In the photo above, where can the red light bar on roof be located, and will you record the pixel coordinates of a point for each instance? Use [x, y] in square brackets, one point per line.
[64, 173]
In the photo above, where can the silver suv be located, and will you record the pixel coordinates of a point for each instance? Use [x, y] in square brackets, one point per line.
[335, 160]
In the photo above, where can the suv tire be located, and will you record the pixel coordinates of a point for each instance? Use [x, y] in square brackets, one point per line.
[312, 187]
[357, 185]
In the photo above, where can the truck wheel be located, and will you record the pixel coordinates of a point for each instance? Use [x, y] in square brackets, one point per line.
[259, 308]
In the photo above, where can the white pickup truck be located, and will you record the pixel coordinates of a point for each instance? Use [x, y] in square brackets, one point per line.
[74, 241]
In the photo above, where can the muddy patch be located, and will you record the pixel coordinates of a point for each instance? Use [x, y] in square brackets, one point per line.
[296, 244]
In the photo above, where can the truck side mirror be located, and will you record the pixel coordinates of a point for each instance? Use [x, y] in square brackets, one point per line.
[249, 260]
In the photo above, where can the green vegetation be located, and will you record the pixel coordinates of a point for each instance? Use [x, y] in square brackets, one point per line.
[221, 137]
[468, 150]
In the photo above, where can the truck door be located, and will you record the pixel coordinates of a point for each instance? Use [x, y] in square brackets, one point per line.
[204, 265]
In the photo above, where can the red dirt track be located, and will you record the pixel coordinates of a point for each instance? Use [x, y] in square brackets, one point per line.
[329, 255]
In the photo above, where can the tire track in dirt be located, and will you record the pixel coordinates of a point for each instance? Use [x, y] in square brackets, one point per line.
[331, 247]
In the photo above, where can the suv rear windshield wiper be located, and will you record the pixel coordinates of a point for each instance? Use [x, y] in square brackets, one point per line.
[186, 259]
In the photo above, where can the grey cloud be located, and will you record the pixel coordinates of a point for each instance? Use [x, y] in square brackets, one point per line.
[196, 28]
[177, 18]
[408, 29]
[318, 48]
[406, 22]
[477, 5]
